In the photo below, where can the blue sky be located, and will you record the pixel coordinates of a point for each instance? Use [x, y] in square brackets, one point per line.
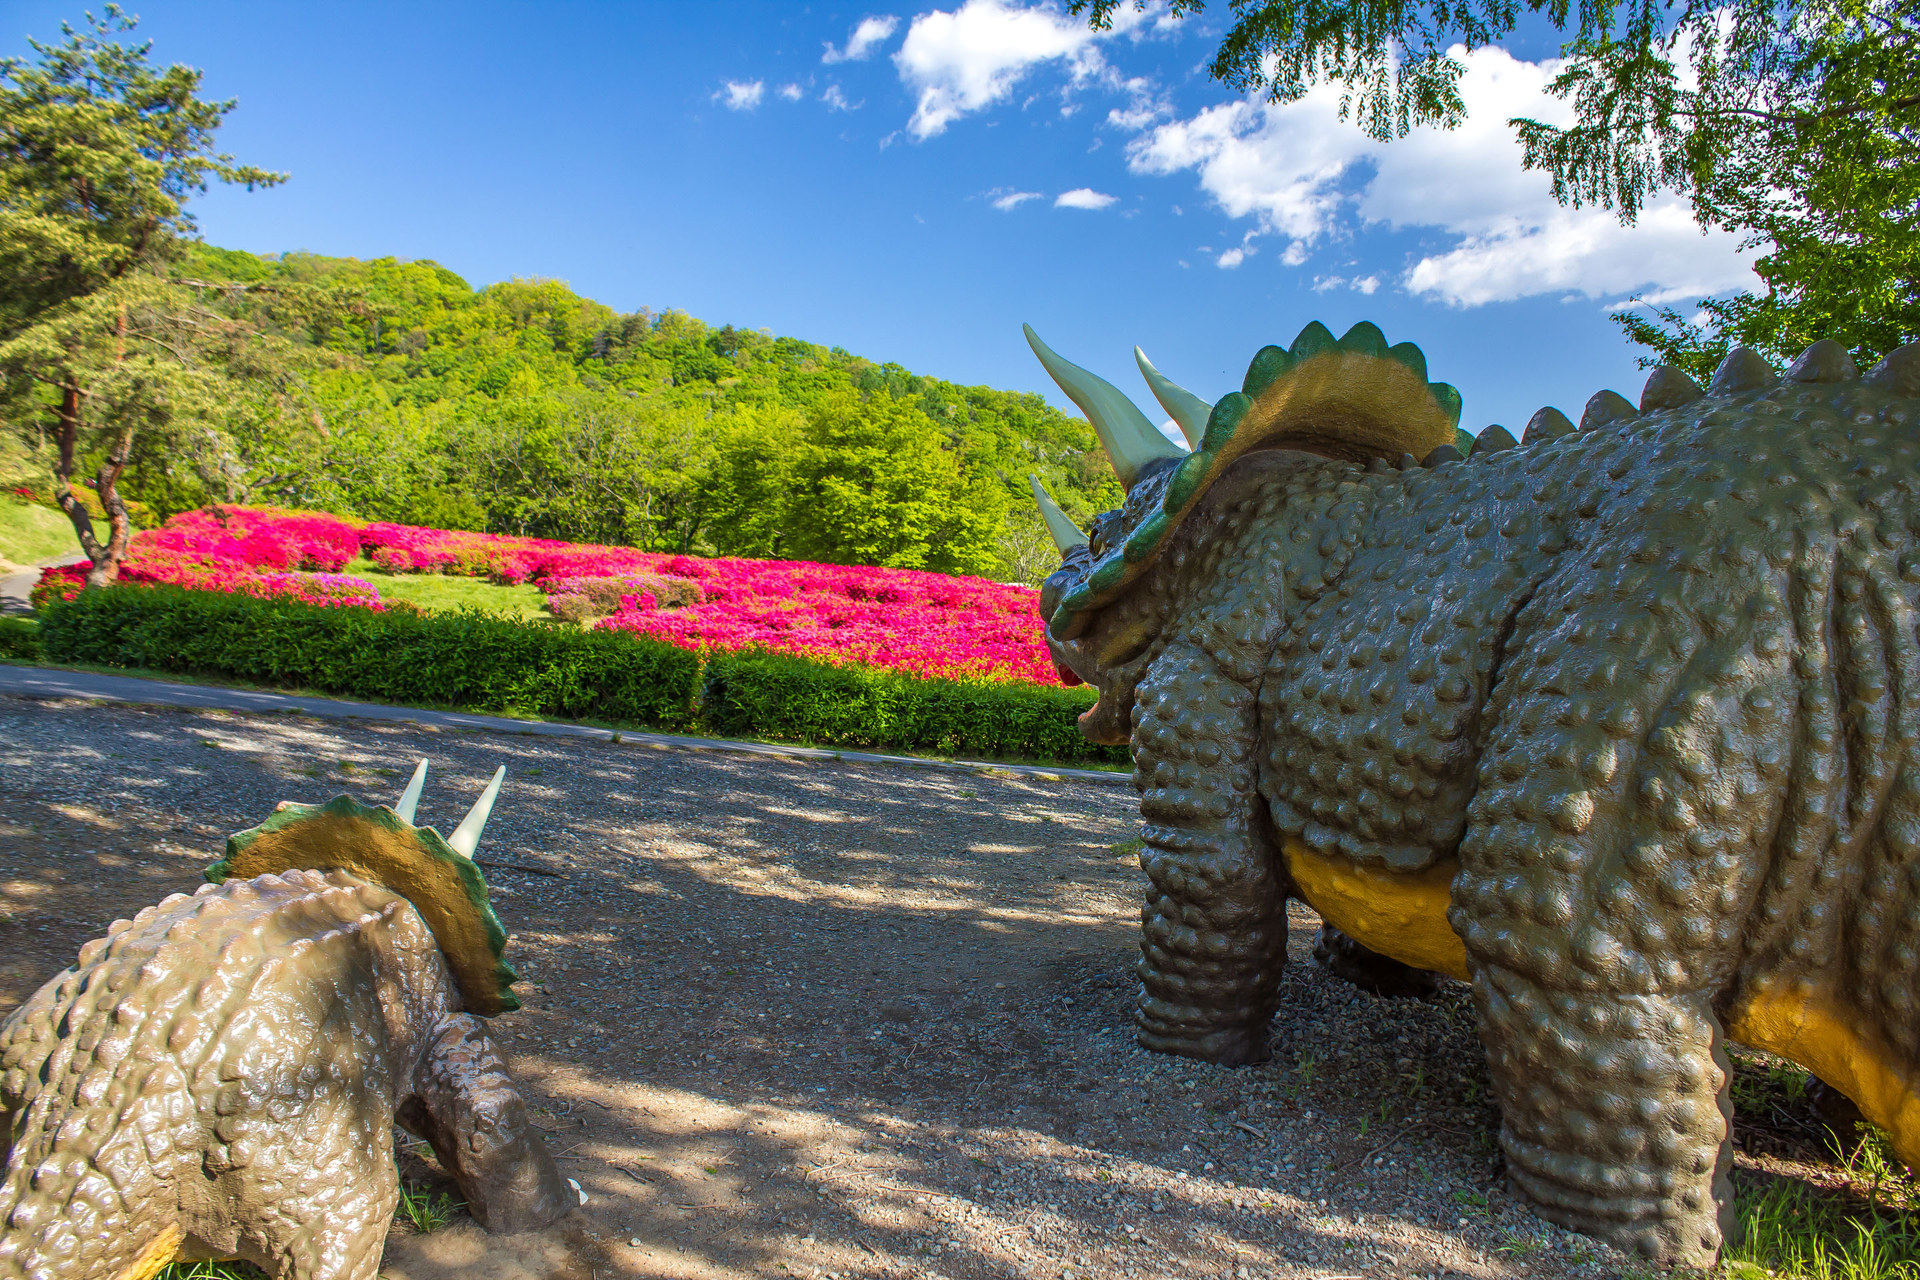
[911, 183]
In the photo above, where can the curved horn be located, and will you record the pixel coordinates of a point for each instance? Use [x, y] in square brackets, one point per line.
[1066, 534]
[466, 837]
[1184, 407]
[410, 798]
[1130, 440]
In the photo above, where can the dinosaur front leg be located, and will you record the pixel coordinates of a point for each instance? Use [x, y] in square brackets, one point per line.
[1214, 927]
[1615, 1113]
[468, 1107]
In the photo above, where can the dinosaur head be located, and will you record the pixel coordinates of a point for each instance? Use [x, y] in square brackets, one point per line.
[436, 873]
[1352, 398]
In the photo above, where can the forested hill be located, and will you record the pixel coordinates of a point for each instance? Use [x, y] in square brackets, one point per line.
[525, 408]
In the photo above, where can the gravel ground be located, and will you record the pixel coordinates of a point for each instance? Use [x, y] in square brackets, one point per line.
[827, 1020]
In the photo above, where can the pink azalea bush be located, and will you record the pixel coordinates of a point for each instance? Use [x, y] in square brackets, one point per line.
[331, 589]
[928, 624]
[240, 550]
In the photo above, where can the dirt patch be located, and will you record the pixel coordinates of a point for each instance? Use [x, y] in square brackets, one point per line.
[826, 1020]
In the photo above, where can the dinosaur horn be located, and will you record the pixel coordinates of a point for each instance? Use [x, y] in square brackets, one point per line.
[466, 837]
[1130, 440]
[1184, 407]
[1066, 534]
[410, 798]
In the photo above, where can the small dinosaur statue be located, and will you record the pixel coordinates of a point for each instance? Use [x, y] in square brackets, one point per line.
[1619, 723]
[219, 1077]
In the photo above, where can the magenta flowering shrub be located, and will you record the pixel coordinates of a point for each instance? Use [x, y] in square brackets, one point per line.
[262, 537]
[240, 550]
[927, 624]
[64, 583]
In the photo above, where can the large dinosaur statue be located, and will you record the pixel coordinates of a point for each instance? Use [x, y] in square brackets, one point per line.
[1620, 726]
[219, 1077]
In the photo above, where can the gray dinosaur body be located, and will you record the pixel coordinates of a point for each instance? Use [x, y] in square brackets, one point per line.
[1620, 726]
[219, 1078]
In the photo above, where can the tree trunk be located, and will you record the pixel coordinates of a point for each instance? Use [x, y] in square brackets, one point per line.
[106, 568]
[69, 417]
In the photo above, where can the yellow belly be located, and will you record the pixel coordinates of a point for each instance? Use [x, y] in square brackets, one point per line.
[1405, 916]
[1402, 915]
[161, 1250]
[1821, 1034]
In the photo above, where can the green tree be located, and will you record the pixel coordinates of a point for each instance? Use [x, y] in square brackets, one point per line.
[1796, 126]
[99, 152]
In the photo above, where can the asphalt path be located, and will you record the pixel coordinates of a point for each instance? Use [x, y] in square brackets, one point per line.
[51, 682]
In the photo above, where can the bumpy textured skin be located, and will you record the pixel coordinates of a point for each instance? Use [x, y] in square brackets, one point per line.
[1653, 685]
[226, 1068]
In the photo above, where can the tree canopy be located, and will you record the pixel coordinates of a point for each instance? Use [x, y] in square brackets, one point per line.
[406, 394]
[1795, 125]
[98, 152]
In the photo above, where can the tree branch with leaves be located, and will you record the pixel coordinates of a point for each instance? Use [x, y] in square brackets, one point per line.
[99, 153]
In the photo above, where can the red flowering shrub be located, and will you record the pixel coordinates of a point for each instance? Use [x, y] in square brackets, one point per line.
[926, 624]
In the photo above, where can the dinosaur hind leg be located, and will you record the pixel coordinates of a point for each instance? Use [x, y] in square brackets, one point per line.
[1345, 958]
[1614, 1113]
[468, 1107]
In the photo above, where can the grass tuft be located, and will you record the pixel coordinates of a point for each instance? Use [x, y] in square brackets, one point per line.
[211, 1271]
[1797, 1232]
[425, 1209]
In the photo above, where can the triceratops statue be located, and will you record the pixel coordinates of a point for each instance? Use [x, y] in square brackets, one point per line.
[1619, 726]
[219, 1077]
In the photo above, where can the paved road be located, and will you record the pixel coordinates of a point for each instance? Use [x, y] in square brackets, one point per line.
[16, 588]
[48, 682]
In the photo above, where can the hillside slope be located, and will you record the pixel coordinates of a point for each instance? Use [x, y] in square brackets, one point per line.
[525, 408]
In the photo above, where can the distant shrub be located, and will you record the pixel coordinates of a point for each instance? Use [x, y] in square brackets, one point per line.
[779, 696]
[586, 598]
[20, 639]
[469, 660]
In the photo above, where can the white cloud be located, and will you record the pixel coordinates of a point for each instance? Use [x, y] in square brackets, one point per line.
[1232, 258]
[869, 33]
[792, 92]
[836, 100]
[1083, 198]
[966, 60]
[1299, 172]
[1011, 200]
[742, 95]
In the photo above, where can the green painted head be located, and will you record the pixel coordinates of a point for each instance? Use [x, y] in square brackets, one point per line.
[380, 844]
[1353, 398]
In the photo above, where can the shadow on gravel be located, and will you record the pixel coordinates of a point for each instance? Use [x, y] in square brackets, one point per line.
[825, 1019]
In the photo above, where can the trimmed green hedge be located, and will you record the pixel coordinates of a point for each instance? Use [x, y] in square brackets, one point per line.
[780, 696]
[485, 663]
[466, 660]
[20, 639]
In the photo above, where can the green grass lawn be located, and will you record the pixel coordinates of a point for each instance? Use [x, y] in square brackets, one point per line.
[30, 533]
[438, 591]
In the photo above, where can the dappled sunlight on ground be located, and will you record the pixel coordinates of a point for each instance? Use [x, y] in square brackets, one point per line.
[823, 1019]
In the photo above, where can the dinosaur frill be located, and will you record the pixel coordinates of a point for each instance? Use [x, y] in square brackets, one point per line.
[380, 844]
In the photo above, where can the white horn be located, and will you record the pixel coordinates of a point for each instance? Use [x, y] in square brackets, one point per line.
[1188, 410]
[1065, 533]
[466, 837]
[410, 798]
[1131, 441]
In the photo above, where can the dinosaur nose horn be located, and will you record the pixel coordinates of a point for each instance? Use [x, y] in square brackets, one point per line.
[1066, 534]
[1184, 407]
[466, 837]
[410, 798]
[1130, 440]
